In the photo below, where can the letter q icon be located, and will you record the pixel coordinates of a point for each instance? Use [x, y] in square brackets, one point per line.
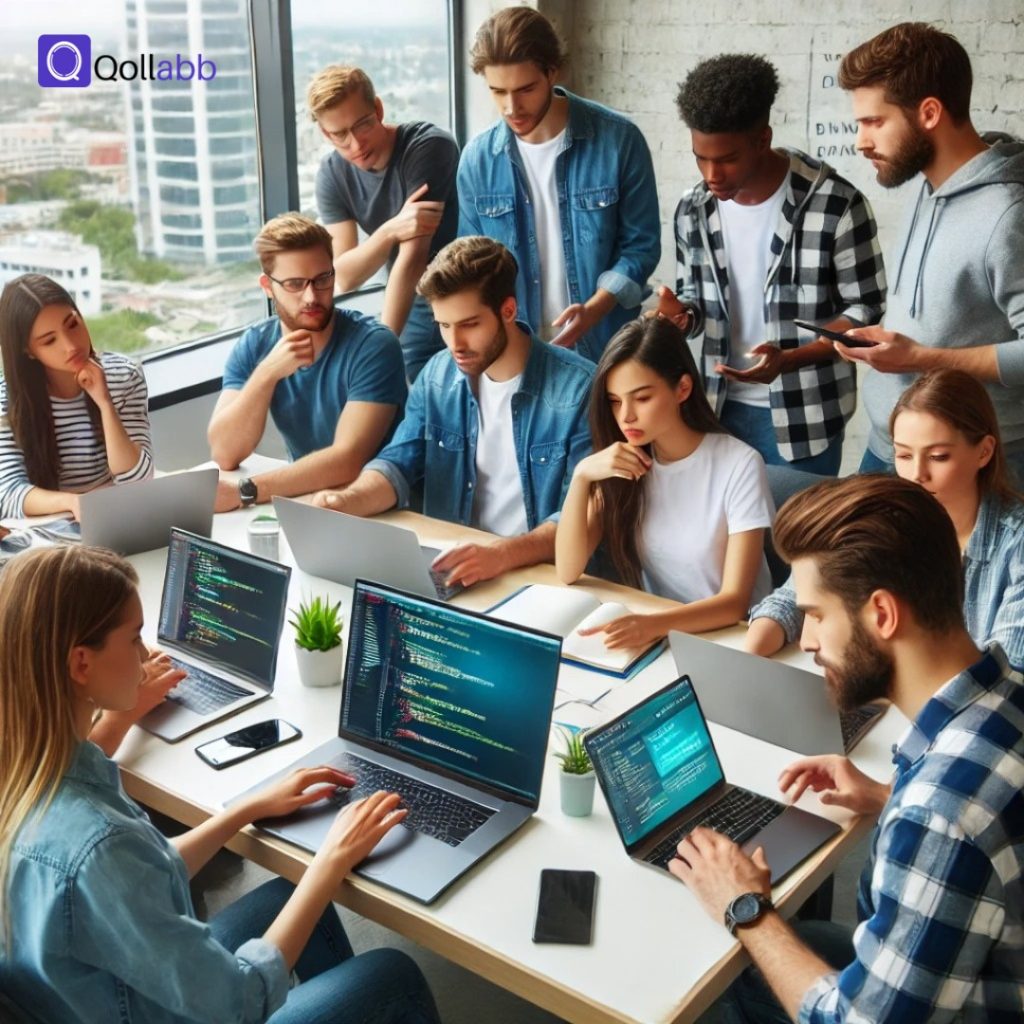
[65, 61]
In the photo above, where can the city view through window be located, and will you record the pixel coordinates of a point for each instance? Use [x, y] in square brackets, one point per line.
[142, 197]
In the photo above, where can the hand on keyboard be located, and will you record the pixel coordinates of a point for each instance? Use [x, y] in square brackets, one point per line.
[467, 564]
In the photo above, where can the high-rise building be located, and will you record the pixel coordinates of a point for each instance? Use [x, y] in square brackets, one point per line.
[192, 152]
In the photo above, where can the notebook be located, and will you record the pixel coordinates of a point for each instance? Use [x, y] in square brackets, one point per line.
[565, 610]
[661, 776]
[449, 708]
[221, 616]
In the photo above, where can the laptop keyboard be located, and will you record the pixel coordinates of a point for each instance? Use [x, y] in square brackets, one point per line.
[202, 692]
[738, 815]
[432, 811]
[851, 722]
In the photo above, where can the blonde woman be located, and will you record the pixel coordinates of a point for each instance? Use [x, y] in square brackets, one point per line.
[97, 923]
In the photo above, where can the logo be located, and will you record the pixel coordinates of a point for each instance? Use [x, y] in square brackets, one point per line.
[65, 62]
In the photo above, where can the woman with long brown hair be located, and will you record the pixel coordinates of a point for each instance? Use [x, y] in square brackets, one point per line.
[946, 437]
[680, 504]
[70, 419]
[96, 921]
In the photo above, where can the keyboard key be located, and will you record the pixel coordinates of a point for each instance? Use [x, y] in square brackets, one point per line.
[738, 815]
[434, 812]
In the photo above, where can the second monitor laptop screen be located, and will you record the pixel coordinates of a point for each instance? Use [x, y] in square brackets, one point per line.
[223, 606]
[655, 760]
[455, 690]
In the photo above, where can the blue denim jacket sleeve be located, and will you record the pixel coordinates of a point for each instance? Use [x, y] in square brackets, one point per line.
[401, 462]
[469, 222]
[638, 240]
[580, 446]
[123, 902]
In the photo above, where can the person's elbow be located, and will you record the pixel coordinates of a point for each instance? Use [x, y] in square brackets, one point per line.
[226, 454]
[733, 607]
[567, 568]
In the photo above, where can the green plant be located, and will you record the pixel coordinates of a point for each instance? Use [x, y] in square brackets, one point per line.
[575, 759]
[317, 624]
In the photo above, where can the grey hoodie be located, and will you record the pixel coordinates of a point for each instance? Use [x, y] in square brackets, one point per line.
[957, 281]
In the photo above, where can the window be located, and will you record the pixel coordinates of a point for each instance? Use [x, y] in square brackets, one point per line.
[150, 191]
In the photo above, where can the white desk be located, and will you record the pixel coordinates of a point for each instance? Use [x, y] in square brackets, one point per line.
[656, 956]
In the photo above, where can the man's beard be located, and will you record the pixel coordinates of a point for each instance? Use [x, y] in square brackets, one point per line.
[865, 673]
[914, 153]
[295, 324]
[492, 353]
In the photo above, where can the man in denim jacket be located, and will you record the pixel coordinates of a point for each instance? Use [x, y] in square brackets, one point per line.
[566, 184]
[493, 428]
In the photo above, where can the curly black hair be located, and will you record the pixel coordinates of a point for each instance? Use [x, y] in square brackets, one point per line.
[732, 92]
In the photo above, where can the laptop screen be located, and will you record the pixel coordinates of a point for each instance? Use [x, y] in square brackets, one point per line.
[223, 606]
[449, 689]
[654, 760]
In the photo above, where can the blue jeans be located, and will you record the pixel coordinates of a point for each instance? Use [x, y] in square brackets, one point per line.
[749, 1000]
[382, 986]
[753, 425]
[420, 338]
[871, 463]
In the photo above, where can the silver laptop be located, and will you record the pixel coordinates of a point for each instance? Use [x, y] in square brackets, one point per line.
[661, 777]
[138, 516]
[449, 708]
[344, 548]
[778, 703]
[221, 617]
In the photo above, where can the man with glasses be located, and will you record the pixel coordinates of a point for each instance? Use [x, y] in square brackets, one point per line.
[394, 182]
[331, 379]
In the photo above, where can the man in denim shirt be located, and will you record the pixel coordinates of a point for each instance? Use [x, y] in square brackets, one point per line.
[493, 430]
[566, 184]
[876, 564]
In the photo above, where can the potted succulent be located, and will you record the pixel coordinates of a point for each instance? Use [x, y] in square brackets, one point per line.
[318, 650]
[577, 776]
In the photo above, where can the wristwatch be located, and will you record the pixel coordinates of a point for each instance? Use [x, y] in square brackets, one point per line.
[247, 491]
[746, 909]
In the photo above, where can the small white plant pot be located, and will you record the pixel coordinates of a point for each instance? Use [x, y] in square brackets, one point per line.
[319, 668]
[577, 793]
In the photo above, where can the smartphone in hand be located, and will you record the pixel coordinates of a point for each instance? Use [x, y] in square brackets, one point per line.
[825, 332]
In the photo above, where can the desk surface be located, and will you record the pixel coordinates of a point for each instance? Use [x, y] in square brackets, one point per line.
[485, 922]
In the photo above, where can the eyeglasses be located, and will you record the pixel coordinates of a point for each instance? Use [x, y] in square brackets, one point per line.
[359, 130]
[298, 284]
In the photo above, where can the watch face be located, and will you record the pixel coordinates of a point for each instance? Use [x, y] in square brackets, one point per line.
[247, 490]
[745, 908]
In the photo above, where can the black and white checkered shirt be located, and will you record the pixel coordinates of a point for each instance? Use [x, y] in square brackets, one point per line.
[825, 263]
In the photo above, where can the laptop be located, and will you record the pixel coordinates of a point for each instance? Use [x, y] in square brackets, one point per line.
[344, 548]
[775, 702]
[661, 777]
[137, 516]
[221, 617]
[449, 708]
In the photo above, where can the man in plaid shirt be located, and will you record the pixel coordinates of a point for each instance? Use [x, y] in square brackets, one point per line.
[876, 564]
[769, 236]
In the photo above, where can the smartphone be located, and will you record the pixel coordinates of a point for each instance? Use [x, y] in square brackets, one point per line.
[248, 742]
[824, 332]
[565, 909]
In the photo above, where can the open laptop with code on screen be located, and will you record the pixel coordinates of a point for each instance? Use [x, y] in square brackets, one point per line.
[450, 709]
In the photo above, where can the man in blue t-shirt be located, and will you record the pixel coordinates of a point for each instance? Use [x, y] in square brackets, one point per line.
[395, 182]
[332, 379]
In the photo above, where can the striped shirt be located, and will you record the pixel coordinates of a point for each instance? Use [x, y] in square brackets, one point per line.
[993, 583]
[83, 456]
[941, 903]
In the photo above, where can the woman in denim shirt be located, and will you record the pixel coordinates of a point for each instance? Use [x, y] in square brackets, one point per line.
[97, 923]
[946, 437]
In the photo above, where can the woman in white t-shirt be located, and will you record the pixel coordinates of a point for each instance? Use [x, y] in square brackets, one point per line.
[70, 419]
[681, 505]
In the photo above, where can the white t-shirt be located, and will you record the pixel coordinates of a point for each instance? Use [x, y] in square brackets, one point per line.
[692, 506]
[539, 164]
[748, 232]
[499, 506]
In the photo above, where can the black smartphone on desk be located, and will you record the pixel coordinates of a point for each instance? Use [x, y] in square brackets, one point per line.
[565, 909]
[248, 742]
[825, 332]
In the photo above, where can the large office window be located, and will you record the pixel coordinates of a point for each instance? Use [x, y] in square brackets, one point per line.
[143, 196]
